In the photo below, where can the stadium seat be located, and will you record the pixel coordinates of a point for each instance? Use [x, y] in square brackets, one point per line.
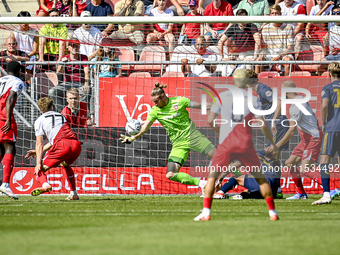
[173, 74]
[325, 74]
[44, 82]
[126, 54]
[152, 54]
[140, 74]
[300, 73]
[270, 74]
[316, 53]
[309, 5]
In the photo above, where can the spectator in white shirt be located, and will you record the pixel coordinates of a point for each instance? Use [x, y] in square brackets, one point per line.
[89, 36]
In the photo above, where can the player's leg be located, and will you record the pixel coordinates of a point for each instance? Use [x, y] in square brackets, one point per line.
[221, 158]
[292, 162]
[71, 180]
[75, 150]
[178, 155]
[42, 179]
[8, 149]
[229, 185]
[325, 179]
[329, 147]
[251, 161]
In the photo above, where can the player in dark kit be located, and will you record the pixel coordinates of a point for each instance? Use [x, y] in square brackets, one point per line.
[330, 118]
[10, 86]
[265, 96]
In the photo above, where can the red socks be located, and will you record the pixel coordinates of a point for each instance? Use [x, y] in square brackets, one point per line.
[297, 180]
[270, 203]
[207, 202]
[70, 177]
[41, 177]
[7, 163]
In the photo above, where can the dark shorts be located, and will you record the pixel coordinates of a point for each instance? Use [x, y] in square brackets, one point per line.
[330, 144]
[251, 184]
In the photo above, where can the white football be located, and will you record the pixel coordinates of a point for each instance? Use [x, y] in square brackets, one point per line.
[133, 127]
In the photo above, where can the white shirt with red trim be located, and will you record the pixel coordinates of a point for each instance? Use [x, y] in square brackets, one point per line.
[306, 123]
[161, 27]
[8, 83]
[295, 10]
[49, 124]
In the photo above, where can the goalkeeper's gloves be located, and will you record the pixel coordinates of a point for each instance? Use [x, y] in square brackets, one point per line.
[127, 139]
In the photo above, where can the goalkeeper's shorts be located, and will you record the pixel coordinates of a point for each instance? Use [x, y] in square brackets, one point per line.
[196, 142]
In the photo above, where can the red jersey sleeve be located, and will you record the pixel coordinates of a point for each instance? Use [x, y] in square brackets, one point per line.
[229, 10]
[301, 10]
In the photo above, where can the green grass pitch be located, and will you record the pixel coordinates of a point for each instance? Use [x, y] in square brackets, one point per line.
[164, 225]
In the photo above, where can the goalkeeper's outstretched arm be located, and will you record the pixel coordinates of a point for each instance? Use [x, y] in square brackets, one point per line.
[130, 139]
[146, 126]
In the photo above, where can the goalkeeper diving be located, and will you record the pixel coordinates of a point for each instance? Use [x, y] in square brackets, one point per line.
[172, 113]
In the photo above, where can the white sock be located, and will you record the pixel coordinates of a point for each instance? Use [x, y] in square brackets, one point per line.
[202, 183]
[73, 193]
[272, 212]
[46, 185]
[220, 191]
[5, 185]
[327, 194]
[206, 211]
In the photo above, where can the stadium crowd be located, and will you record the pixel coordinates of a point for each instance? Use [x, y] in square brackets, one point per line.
[243, 41]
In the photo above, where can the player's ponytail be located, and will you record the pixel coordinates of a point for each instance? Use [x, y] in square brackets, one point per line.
[158, 90]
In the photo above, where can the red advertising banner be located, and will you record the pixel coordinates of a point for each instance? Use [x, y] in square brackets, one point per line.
[134, 181]
[129, 98]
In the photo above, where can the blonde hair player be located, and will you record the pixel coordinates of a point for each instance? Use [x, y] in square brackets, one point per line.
[235, 143]
[172, 113]
[63, 147]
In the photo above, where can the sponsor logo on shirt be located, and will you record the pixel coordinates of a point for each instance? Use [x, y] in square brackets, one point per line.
[172, 116]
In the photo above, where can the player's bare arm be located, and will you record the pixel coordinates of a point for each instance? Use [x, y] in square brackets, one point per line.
[266, 131]
[39, 149]
[290, 133]
[324, 110]
[129, 139]
[33, 154]
[9, 110]
[212, 116]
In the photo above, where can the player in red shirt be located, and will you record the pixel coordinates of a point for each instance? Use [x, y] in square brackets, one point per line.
[45, 6]
[235, 142]
[76, 112]
[217, 8]
[10, 85]
[63, 147]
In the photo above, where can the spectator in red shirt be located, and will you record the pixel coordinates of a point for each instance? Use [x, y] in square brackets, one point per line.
[217, 8]
[76, 112]
[76, 76]
[192, 30]
[45, 6]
